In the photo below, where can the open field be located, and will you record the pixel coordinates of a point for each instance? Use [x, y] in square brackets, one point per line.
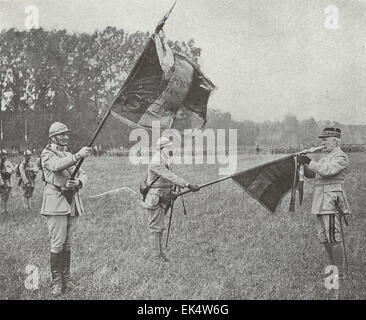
[227, 247]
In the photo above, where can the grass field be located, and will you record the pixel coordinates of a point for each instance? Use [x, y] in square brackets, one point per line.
[227, 247]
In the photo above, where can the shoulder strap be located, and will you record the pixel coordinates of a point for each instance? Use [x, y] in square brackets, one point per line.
[152, 182]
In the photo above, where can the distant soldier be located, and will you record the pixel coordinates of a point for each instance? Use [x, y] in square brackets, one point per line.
[6, 169]
[329, 174]
[28, 173]
[61, 202]
[257, 149]
[161, 180]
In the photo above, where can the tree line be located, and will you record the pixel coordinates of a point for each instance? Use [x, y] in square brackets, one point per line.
[48, 76]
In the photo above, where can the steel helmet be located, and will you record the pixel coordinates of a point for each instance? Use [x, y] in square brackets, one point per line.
[57, 128]
[27, 153]
[4, 152]
[163, 142]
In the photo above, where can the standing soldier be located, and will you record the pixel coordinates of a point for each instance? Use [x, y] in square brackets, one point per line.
[161, 179]
[28, 172]
[329, 174]
[61, 202]
[6, 169]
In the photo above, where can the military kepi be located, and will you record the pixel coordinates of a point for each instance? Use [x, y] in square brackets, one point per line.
[331, 132]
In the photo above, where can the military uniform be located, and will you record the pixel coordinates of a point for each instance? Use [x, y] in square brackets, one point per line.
[157, 200]
[329, 174]
[61, 213]
[7, 169]
[57, 167]
[28, 172]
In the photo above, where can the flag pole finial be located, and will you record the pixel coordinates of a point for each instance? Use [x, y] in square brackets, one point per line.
[164, 19]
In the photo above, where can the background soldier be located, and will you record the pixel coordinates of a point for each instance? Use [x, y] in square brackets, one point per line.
[28, 172]
[157, 201]
[6, 169]
[329, 173]
[61, 202]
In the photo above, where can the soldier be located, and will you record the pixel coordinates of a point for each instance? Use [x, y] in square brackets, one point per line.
[6, 169]
[329, 174]
[61, 204]
[28, 173]
[157, 201]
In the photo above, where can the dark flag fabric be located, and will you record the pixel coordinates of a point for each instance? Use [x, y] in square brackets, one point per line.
[163, 86]
[270, 182]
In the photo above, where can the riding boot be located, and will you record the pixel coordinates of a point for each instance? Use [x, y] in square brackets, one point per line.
[155, 245]
[328, 249]
[68, 284]
[161, 246]
[338, 254]
[56, 273]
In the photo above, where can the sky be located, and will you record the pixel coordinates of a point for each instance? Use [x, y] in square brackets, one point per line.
[267, 58]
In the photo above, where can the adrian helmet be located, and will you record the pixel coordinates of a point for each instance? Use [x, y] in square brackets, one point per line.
[57, 128]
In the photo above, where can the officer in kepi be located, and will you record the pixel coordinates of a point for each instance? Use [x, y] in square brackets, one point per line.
[6, 170]
[28, 173]
[61, 204]
[161, 180]
[329, 173]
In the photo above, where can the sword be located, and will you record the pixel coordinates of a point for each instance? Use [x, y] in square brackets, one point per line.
[342, 214]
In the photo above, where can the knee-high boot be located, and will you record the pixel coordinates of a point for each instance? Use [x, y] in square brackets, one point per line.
[154, 244]
[66, 274]
[56, 273]
[328, 249]
[161, 245]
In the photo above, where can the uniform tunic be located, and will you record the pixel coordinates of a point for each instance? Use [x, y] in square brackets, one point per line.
[329, 174]
[5, 179]
[27, 176]
[155, 203]
[58, 165]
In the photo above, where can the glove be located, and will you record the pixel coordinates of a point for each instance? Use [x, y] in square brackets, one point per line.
[83, 152]
[193, 187]
[72, 184]
[303, 159]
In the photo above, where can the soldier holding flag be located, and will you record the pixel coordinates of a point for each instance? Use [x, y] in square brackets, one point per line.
[61, 204]
[160, 180]
[329, 174]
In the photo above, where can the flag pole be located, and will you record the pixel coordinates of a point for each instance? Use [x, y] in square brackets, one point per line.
[228, 177]
[204, 185]
[107, 114]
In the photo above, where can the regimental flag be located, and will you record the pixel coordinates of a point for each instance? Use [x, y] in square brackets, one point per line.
[163, 86]
[270, 182]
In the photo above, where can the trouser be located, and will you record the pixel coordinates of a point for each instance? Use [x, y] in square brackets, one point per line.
[61, 230]
[156, 219]
[329, 233]
[156, 228]
[28, 191]
[329, 228]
